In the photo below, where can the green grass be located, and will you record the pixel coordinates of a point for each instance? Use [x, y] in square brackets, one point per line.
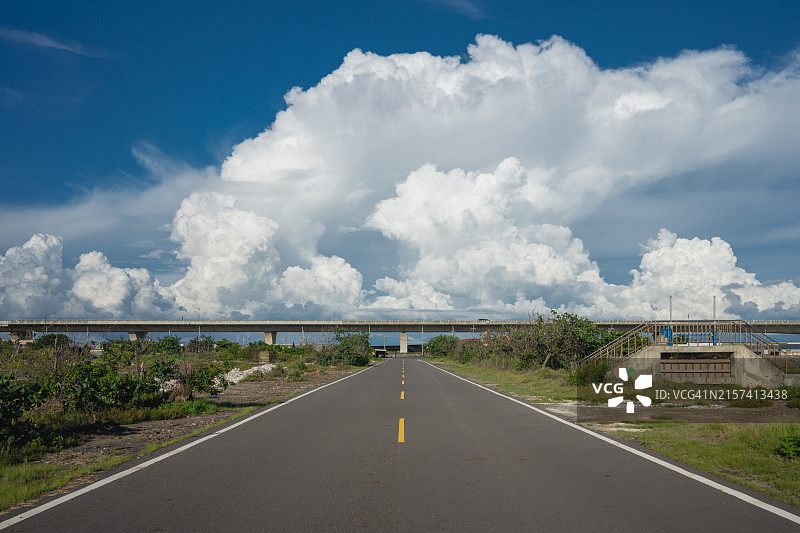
[128, 415]
[25, 481]
[746, 454]
[547, 385]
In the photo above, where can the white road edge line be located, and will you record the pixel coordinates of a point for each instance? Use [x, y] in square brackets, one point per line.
[711, 483]
[63, 499]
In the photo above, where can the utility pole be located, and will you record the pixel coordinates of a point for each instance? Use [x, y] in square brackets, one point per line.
[714, 312]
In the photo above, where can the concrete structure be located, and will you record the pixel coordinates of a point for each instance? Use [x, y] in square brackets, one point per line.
[138, 329]
[708, 365]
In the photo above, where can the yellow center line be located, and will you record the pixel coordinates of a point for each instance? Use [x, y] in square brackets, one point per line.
[403, 382]
[401, 432]
[402, 395]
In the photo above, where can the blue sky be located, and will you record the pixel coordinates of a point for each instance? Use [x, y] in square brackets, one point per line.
[125, 149]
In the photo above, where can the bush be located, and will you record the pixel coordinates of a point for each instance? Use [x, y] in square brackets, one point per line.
[51, 340]
[752, 403]
[351, 349]
[554, 341]
[441, 346]
[162, 368]
[97, 385]
[296, 376]
[789, 447]
[202, 344]
[121, 351]
[592, 372]
[468, 351]
[204, 376]
[15, 400]
[793, 397]
[166, 346]
[192, 375]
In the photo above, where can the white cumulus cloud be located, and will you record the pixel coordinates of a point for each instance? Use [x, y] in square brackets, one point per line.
[417, 183]
[30, 276]
[230, 252]
[100, 288]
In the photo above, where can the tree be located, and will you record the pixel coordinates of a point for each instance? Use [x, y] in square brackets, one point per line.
[167, 346]
[204, 343]
[351, 348]
[441, 346]
[51, 340]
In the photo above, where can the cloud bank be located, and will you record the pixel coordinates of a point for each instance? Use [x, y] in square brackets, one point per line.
[417, 185]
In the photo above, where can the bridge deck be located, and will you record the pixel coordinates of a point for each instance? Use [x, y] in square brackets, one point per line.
[18, 327]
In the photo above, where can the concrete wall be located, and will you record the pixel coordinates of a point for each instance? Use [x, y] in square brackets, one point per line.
[746, 368]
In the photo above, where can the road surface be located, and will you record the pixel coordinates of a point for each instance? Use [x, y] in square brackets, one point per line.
[404, 446]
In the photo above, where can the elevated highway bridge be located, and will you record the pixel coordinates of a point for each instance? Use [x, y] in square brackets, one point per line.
[138, 329]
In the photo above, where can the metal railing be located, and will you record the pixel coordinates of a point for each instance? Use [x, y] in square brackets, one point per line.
[690, 333]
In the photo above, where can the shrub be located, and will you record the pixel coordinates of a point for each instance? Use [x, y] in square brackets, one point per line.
[166, 346]
[793, 397]
[162, 368]
[751, 402]
[468, 351]
[296, 376]
[97, 385]
[204, 376]
[441, 346]
[592, 372]
[192, 375]
[51, 340]
[15, 399]
[204, 343]
[553, 341]
[351, 349]
[789, 447]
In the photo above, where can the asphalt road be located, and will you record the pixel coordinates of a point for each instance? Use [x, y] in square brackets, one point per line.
[405, 446]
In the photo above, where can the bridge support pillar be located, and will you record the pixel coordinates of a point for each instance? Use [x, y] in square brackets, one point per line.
[22, 335]
[270, 337]
[137, 335]
[404, 343]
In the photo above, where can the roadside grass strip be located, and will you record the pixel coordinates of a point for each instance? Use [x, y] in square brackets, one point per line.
[26, 481]
[744, 454]
[116, 477]
[541, 385]
[691, 475]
